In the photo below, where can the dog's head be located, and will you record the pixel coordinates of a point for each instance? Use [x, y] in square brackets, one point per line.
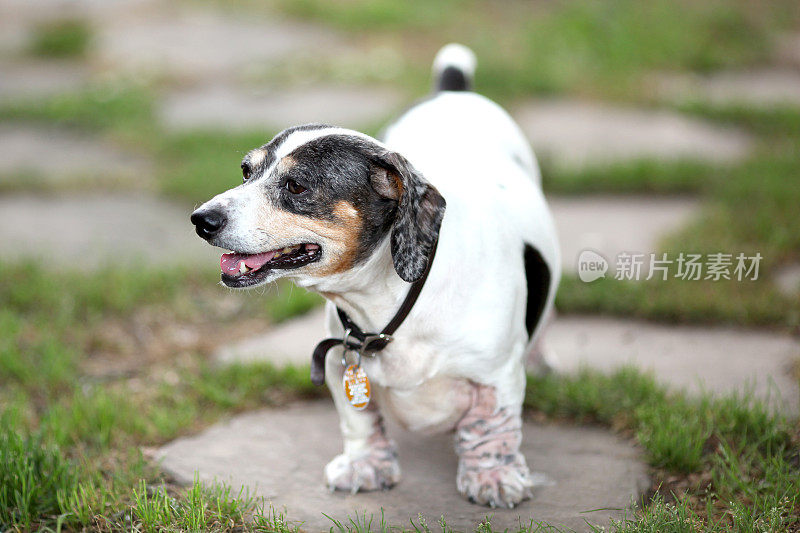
[317, 201]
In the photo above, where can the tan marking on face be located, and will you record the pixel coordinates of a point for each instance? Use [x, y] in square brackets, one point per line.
[285, 164]
[340, 238]
[257, 156]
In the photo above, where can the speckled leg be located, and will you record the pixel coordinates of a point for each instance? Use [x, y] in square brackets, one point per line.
[373, 468]
[491, 469]
[369, 460]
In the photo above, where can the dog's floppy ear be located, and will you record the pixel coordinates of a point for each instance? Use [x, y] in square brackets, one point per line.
[420, 209]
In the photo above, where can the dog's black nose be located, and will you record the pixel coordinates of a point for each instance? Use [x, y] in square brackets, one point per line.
[208, 223]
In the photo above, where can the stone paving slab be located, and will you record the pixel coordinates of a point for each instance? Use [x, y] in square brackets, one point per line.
[51, 154]
[237, 108]
[291, 343]
[760, 88]
[788, 49]
[613, 224]
[787, 279]
[93, 230]
[18, 18]
[282, 453]
[574, 134]
[36, 79]
[196, 43]
[718, 360]
[714, 359]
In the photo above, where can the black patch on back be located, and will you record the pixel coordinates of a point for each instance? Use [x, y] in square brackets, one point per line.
[538, 277]
[453, 79]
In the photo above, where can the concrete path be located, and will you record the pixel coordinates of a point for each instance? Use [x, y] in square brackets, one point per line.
[717, 360]
[613, 224]
[37, 79]
[787, 279]
[205, 44]
[575, 134]
[766, 87]
[88, 231]
[234, 108]
[788, 49]
[52, 155]
[282, 453]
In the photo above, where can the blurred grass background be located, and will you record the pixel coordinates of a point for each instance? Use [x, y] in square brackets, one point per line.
[71, 428]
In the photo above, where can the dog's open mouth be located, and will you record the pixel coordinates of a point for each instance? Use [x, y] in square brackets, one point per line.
[244, 270]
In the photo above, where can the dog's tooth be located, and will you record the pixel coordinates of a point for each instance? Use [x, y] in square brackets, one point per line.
[242, 267]
[287, 250]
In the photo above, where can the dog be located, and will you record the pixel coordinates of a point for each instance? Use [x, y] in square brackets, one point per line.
[358, 221]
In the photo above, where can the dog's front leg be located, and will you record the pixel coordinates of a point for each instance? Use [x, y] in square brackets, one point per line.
[369, 461]
[491, 469]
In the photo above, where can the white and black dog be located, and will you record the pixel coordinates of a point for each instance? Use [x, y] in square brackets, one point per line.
[357, 220]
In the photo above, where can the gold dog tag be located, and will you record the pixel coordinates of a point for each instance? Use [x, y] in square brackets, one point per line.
[356, 386]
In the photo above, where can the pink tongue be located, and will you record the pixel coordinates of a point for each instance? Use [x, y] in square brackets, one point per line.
[229, 263]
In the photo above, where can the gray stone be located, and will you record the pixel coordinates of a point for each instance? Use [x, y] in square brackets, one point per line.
[756, 88]
[39, 78]
[788, 49]
[291, 343]
[787, 279]
[576, 134]
[88, 231]
[52, 155]
[18, 18]
[610, 224]
[718, 360]
[281, 455]
[184, 43]
[232, 108]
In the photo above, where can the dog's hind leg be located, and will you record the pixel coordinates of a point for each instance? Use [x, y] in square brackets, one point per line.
[491, 469]
[369, 460]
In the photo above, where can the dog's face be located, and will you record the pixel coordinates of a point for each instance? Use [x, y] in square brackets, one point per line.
[317, 201]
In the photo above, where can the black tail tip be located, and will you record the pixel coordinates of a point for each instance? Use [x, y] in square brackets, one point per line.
[454, 68]
[453, 79]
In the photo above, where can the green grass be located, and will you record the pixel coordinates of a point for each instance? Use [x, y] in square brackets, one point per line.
[376, 15]
[31, 476]
[203, 507]
[720, 464]
[121, 109]
[577, 47]
[750, 207]
[643, 176]
[65, 38]
[199, 165]
[68, 440]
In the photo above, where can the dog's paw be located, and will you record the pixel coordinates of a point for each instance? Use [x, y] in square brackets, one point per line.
[498, 485]
[376, 469]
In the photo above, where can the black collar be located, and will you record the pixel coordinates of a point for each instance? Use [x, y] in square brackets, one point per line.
[355, 339]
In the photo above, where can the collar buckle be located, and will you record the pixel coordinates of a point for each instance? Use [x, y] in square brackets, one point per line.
[382, 338]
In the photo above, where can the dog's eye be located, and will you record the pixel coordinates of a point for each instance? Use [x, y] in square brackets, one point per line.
[294, 187]
[245, 171]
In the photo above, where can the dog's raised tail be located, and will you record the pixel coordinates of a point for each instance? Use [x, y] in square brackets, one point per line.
[454, 68]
